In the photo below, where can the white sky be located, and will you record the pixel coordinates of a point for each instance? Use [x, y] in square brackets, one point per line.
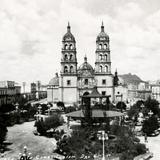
[31, 32]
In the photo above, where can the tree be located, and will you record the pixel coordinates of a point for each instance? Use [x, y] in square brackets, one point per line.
[44, 108]
[3, 130]
[82, 142]
[85, 141]
[135, 109]
[133, 112]
[153, 105]
[61, 105]
[7, 108]
[150, 125]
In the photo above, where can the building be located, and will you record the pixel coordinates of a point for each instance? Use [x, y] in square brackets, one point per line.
[9, 92]
[73, 81]
[155, 88]
[38, 91]
[132, 88]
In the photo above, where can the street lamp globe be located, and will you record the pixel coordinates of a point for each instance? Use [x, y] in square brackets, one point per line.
[150, 113]
[102, 136]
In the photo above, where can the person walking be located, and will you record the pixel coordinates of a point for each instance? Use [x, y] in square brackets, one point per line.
[145, 138]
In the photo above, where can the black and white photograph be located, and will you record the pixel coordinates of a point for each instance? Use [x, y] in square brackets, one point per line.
[79, 80]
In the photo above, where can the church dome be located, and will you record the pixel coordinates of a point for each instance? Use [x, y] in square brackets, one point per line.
[86, 68]
[68, 36]
[54, 81]
[102, 35]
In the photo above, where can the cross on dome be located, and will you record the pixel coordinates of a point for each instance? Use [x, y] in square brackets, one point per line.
[85, 58]
[102, 27]
[68, 27]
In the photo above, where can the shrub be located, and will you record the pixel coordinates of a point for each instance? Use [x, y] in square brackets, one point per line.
[41, 128]
[121, 106]
[3, 130]
[51, 122]
[70, 109]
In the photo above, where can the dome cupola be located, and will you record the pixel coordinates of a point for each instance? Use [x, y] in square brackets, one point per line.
[102, 36]
[54, 81]
[86, 68]
[68, 36]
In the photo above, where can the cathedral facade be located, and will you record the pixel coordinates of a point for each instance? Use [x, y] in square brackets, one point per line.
[74, 81]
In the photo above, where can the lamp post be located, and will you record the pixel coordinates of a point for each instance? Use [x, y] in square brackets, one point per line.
[25, 155]
[103, 136]
[17, 106]
[18, 113]
[39, 109]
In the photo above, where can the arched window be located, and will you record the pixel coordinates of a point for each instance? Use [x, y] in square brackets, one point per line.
[65, 57]
[105, 46]
[71, 57]
[65, 46]
[105, 56]
[70, 46]
[86, 81]
[71, 69]
[100, 69]
[100, 56]
[106, 69]
[100, 46]
[65, 69]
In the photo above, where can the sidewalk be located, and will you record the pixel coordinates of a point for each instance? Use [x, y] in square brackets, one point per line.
[153, 144]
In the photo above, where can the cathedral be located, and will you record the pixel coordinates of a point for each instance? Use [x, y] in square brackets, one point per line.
[73, 81]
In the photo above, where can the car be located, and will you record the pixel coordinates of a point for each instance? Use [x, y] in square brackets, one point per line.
[155, 133]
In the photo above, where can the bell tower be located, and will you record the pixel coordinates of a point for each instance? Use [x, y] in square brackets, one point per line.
[69, 59]
[103, 74]
[103, 61]
[68, 82]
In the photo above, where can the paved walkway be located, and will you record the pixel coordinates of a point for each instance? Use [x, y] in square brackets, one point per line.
[21, 135]
[153, 145]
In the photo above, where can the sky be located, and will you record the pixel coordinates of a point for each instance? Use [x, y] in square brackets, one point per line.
[31, 34]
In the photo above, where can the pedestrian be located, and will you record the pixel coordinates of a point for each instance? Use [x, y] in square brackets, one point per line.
[145, 138]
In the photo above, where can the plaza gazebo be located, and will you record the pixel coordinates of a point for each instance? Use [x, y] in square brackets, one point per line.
[95, 108]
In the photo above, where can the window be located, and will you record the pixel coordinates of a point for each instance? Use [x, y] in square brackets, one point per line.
[65, 57]
[100, 57]
[68, 82]
[105, 57]
[65, 69]
[103, 93]
[86, 81]
[100, 68]
[106, 68]
[71, 57]
[70, 46]
[71, 69]
[66, 46]
[100, 46]
[105, 46]
[103, 81]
